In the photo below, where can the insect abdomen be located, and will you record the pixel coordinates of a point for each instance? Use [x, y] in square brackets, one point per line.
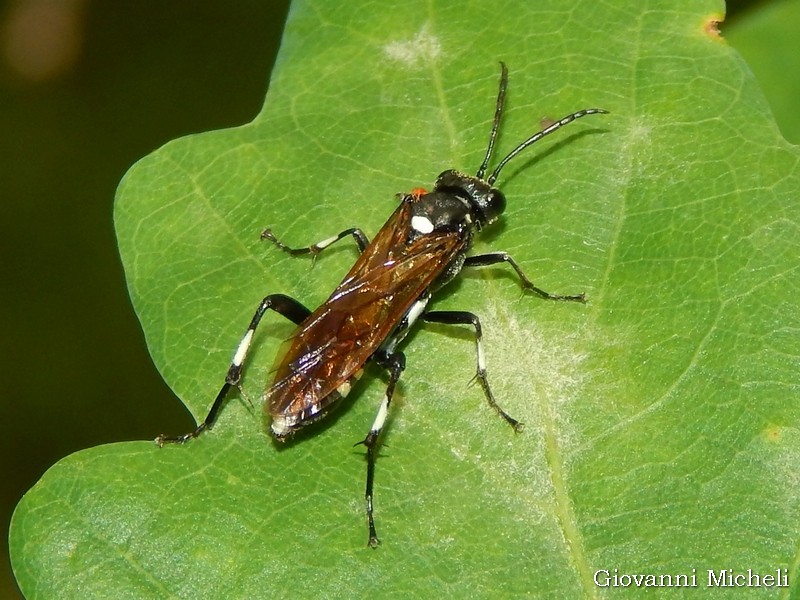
[287, 419]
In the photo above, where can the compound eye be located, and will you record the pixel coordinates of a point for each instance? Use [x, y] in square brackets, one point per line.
[494, 204]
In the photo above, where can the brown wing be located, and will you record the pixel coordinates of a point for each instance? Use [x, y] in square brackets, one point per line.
[335, 341]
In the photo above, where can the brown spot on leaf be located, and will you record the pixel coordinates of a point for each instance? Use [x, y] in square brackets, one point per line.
[772, 433]
[711, 26]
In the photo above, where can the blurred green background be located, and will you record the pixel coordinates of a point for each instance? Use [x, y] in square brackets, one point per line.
[86, 89]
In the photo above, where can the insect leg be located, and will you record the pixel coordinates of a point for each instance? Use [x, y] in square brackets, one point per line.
[493, 258]
[361, 241]
[460, 317]
[283, 305]
[396, 364]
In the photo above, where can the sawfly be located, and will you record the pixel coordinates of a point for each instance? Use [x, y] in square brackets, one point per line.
[422, 246]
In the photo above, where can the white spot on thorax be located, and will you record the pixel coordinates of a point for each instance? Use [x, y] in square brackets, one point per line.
[422, 224]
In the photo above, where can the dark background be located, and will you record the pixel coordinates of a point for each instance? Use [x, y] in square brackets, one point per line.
[86, 89]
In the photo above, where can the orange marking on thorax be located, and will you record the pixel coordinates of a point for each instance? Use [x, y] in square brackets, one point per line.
[417, 192]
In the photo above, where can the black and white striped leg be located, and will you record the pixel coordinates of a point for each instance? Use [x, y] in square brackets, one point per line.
[459, 317]
[493, 258]
[283, 305]
[361, 241]
[396, 364]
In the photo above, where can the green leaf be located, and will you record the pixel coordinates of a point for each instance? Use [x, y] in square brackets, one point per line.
[662, 417]
[767, 38]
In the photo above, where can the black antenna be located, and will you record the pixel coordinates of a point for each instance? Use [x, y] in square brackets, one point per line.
[501, 98]
[535, 137]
